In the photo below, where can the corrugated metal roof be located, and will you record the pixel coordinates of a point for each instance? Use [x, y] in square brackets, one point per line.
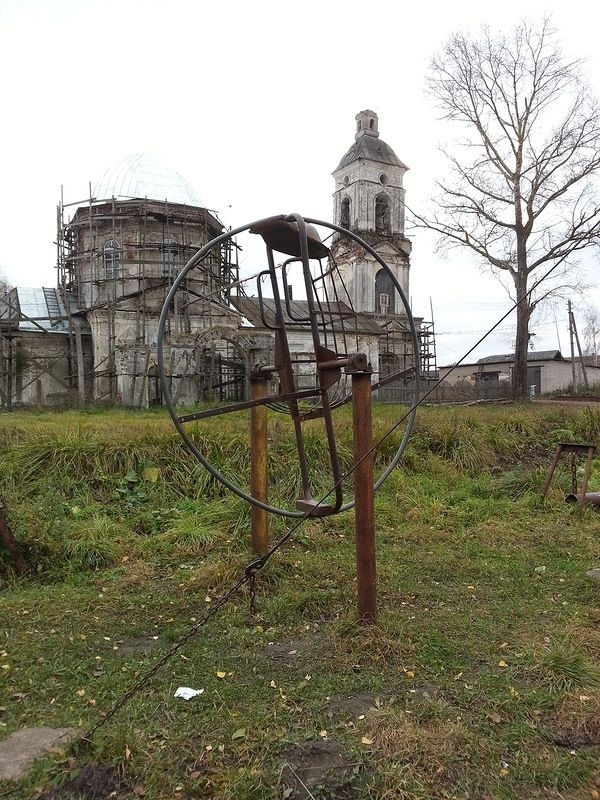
[372, 148]
[342, 316]
[43, 309]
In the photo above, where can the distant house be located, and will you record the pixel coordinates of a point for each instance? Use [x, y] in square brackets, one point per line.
[547, 372]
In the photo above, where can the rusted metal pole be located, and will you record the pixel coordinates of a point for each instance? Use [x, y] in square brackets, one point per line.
[258, 464]
[364, 511]
[589, 497]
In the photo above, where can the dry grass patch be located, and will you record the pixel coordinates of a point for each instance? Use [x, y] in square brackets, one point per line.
[424, 757]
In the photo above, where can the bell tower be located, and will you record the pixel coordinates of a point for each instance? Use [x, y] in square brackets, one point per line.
[369, 201]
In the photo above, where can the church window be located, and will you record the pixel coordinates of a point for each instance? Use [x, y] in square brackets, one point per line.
[371, 123]
[169, 259]
[345, 213]
[112, 259]
[382, 214]
[385, 293]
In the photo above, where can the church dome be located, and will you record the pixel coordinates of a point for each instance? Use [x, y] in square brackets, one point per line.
[143, 175]
[373, 150]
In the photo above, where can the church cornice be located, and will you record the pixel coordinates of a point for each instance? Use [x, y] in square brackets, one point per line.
[395, 244]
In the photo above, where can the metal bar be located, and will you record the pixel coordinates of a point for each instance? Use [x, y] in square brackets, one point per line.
[258, 466]
[273, 398]
[364, 512]
[586, 476]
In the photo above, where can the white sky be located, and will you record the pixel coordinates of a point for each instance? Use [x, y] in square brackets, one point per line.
[252, 102]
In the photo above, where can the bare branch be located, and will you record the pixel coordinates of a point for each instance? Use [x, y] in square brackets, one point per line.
[519, 193]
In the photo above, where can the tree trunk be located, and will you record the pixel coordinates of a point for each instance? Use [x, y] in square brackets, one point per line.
[519, 383]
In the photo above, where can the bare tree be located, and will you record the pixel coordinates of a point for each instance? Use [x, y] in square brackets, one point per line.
[520, 192]
[591, 333]
[4, 284]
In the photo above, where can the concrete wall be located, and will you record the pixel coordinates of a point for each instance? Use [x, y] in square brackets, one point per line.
[43, 372]
[556, 376]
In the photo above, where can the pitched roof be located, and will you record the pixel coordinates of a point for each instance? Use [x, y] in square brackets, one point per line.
[39, 309]
[343, 317]
[372, 148]
[532, 355]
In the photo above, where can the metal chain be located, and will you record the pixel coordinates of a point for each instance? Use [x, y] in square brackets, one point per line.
[212, 610]
[252, 590]
[248, 577]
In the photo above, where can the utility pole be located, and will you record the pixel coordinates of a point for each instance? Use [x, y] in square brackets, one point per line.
[581, 361]
[573, 374]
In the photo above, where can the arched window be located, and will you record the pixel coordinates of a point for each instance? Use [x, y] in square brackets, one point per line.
[385, 293]
[112, 259]
[169, 258]
[382, 214]
[345, 213]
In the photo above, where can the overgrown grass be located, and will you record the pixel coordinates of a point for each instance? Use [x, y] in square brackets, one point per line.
[481, 678]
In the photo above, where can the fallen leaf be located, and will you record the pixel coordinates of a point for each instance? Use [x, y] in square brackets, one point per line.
[127, 753]
[80, 692]
[366, 740]
[239, 734]
[150, 474]
[502, 663]
[139, 791]
[221, 674]
[503, 772]
[495, 717]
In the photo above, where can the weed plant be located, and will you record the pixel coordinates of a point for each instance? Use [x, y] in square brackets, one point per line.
[480, 680]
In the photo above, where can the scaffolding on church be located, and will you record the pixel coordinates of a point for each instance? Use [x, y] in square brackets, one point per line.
[397, 357]
[117, 257]
[116, 260]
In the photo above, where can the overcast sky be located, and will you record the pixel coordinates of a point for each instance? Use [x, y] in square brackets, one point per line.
[254, 104]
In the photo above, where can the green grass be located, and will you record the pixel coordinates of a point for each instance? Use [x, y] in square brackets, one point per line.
[481, 678]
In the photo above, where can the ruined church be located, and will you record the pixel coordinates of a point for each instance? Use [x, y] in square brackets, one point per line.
[93, 337]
